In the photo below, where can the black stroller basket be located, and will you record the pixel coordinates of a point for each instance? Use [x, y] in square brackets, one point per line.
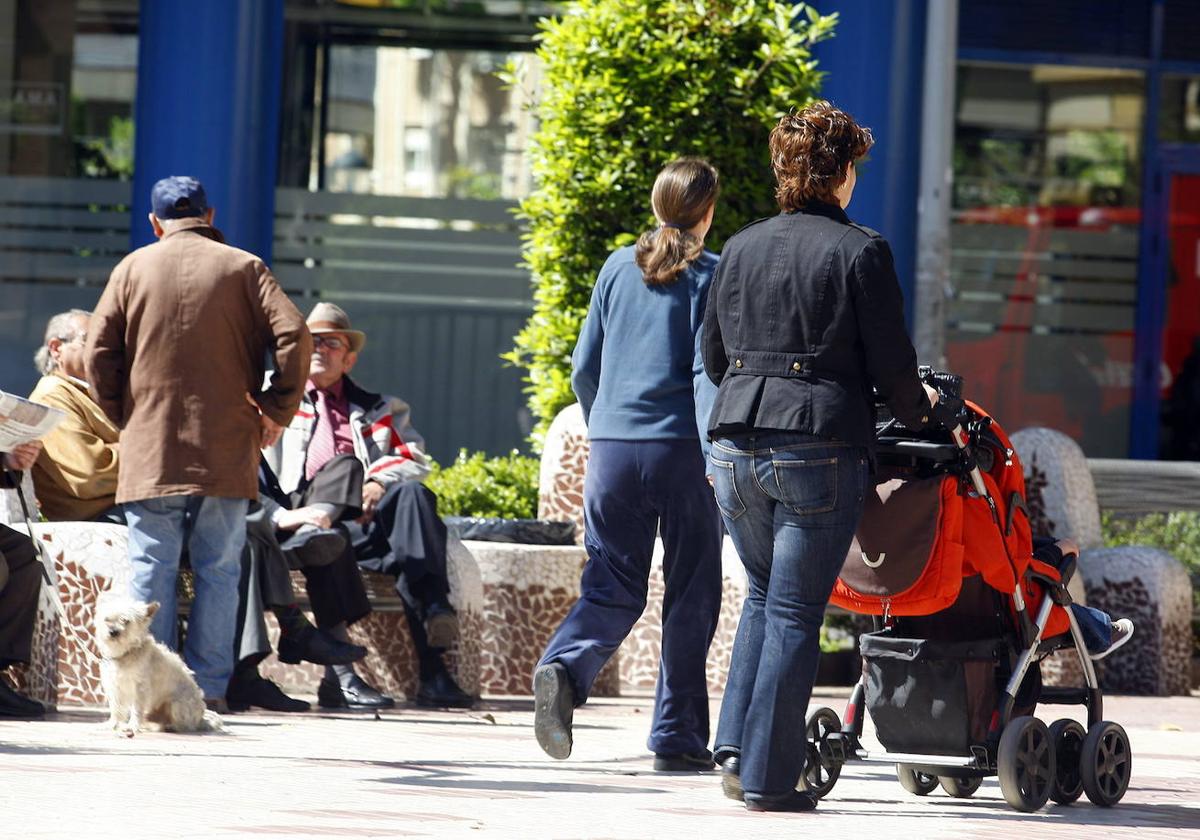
[930, 696]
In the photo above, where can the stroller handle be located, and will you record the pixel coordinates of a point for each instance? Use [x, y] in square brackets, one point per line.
[949, 411]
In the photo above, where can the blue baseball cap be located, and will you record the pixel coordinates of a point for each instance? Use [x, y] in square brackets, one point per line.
[178, 197]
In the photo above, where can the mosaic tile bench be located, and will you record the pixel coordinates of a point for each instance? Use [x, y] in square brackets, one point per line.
[89, 558]
[528, 590]
[560, 496]
[1145, 584]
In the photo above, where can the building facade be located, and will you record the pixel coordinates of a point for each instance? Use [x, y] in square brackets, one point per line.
[368, 150]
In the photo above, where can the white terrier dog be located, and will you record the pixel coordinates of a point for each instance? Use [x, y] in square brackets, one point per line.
[146, 684]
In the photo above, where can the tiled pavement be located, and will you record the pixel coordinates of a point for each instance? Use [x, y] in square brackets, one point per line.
[415, 773]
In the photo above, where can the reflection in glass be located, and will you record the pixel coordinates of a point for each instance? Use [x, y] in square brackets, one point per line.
[1044, 235]
[1180, 439]
[103, 84]
[1179, 110]
[423, 122]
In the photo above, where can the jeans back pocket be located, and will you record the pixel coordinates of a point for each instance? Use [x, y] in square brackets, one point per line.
[807, 485]
[725, 489]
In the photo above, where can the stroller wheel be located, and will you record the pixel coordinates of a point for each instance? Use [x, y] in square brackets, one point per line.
[1106, 763]
[1025, 761]
[1067, 737]
[960, 787]
[914, 781]
[822, 768]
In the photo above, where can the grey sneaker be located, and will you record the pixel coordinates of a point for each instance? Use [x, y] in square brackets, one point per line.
[1122, 632]
[553, 710]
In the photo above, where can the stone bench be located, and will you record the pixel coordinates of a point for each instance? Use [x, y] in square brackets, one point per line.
[89, 558]
[1144, 584]
[560, 496]
[1138, 487]
[529, 589]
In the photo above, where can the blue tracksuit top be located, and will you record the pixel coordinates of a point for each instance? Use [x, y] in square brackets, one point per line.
[637, 369]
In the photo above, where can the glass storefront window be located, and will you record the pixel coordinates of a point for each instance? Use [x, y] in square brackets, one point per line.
[67, 88]
[1179, 109]
[103, 85]
[1044, 242]
[520, 9]
[1181, 332]
[68, 75]
[412, 121]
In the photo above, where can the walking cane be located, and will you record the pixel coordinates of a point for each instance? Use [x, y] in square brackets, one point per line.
[43, 556]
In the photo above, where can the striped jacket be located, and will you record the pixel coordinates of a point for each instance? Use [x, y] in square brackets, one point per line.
[389, 447]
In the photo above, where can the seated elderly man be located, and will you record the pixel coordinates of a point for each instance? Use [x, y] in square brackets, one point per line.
[355, 454]
[20, 582]
[75, 478]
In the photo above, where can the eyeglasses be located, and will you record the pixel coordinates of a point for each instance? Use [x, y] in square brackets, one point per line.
[332, 342]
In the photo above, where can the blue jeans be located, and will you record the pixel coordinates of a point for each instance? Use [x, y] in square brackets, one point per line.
[1095, 626]
[633, 489]
[214, 531]
[791, 502]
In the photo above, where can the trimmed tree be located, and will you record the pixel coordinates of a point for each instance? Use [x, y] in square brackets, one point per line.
[626, 87]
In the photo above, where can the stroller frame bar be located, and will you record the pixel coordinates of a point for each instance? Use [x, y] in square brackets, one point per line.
[1094, 702]
[923, 762]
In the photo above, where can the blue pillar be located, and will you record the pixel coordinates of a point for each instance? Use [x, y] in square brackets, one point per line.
[874, 68]
[208, 98]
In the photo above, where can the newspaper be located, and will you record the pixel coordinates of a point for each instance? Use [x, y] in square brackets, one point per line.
[22, 421]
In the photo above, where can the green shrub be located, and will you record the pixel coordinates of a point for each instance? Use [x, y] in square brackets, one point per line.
[1177, 532]
[474, 485]
[626, 87]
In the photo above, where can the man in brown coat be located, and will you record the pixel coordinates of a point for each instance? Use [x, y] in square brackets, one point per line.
[175, 356]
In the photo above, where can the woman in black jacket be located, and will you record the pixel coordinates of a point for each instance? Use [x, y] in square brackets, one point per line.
[804, 317]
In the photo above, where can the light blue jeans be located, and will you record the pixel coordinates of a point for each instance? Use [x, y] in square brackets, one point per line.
[214, 531]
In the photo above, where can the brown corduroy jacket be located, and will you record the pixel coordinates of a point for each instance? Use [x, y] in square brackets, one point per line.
[178, 340]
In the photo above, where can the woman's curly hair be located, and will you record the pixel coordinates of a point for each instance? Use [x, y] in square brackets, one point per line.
[810, 150]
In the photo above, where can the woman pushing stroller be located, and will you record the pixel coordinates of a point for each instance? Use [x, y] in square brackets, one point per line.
[804, 318]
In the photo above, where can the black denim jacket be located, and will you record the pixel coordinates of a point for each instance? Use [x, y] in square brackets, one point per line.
[804, 316]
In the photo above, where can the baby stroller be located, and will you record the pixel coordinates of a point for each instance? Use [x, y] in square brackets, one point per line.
[964, 613]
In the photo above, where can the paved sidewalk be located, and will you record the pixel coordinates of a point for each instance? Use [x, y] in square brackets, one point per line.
[416, 773]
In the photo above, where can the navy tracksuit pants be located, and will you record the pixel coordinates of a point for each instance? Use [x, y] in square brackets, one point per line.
[632, 490]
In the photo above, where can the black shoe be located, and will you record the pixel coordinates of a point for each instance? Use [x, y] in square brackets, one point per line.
[356, 694]
[797, 800]
[16, 705]
[553, 709]
[696, 762]
[261, 692]
[315, 645]
[441, 692]
[311, 547]
[731, 778]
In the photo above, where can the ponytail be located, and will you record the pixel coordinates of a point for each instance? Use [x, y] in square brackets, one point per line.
[683, 193]
[663, 253]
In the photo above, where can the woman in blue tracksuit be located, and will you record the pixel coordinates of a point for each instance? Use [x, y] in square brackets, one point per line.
[635, 370]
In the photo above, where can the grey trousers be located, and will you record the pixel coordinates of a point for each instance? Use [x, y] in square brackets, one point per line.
[265, 583]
